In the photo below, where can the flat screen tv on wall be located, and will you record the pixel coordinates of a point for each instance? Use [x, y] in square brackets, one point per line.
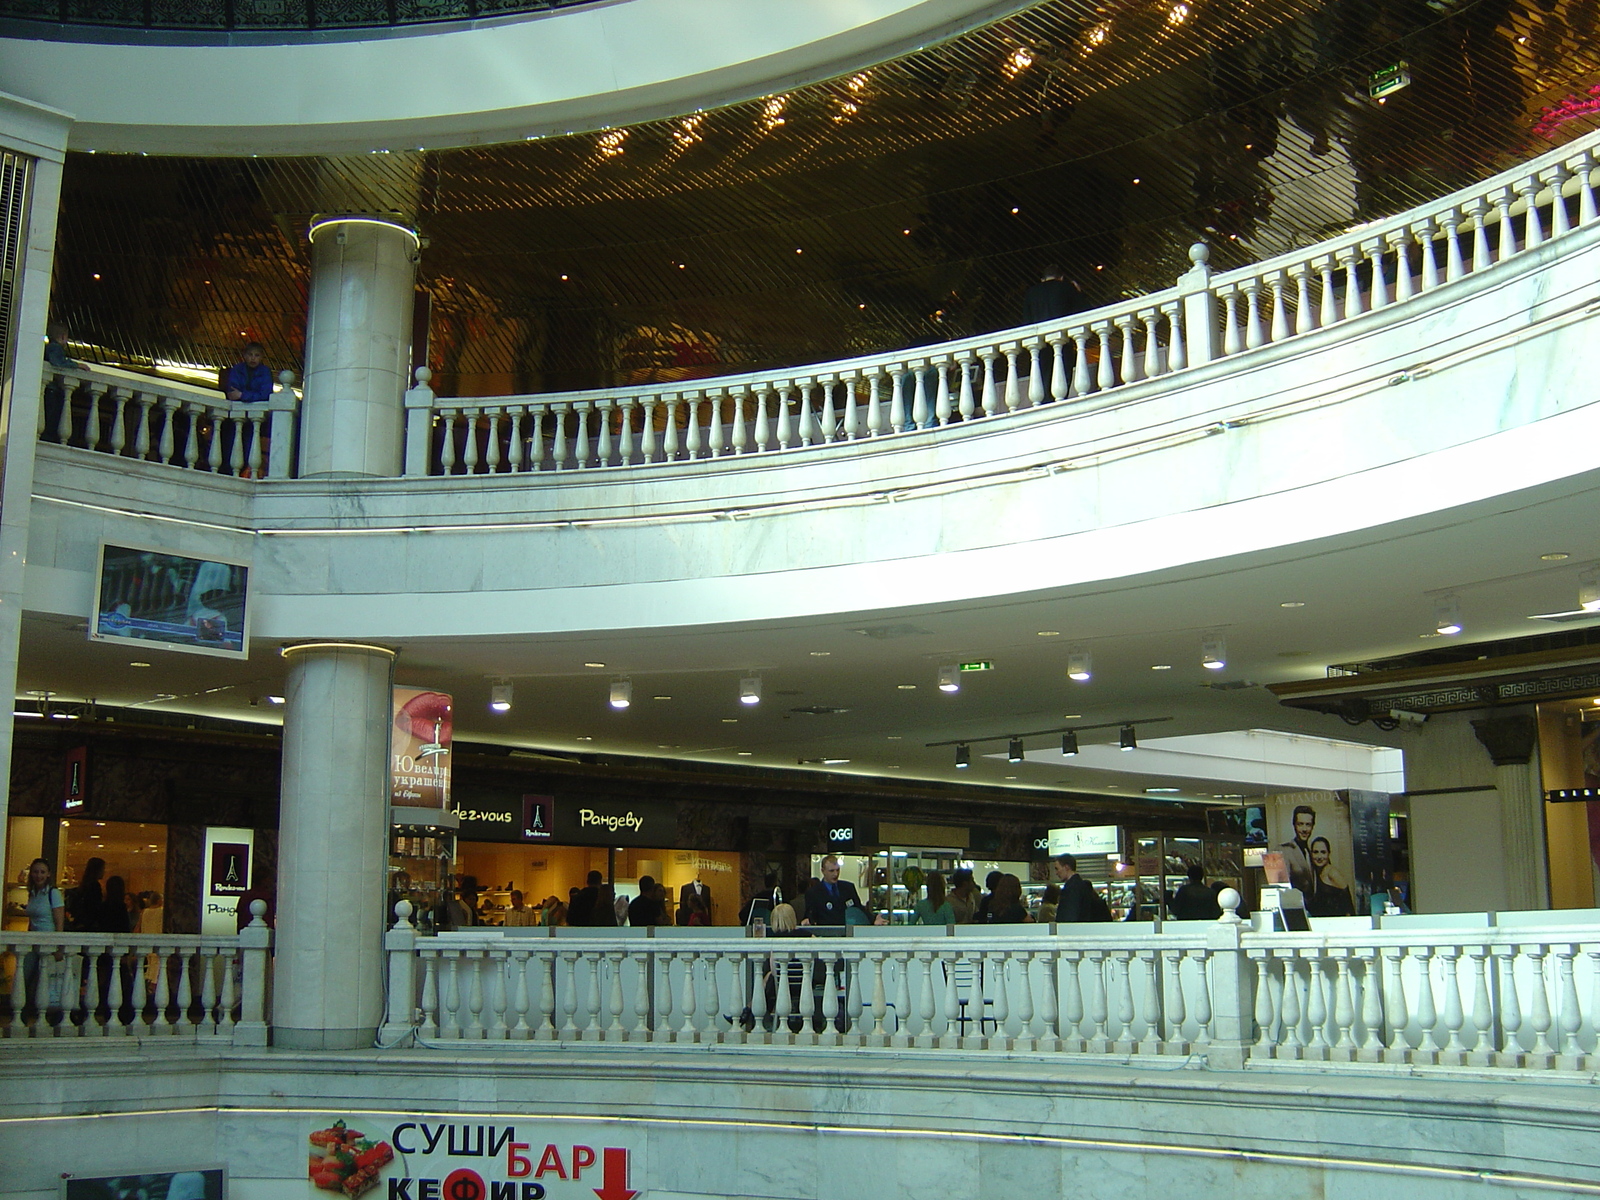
[155, 598]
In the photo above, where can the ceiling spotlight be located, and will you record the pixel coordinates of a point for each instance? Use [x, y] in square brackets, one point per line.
[949, 679]
[1014, 750]
[276, 700]
[1447, 615]
[1079, 664]
[1213, 653]
[621, 693]
[500, 697]
[1069, 744]
[1589, 590]
[750, 689]
[963, 756]
[1127, 739]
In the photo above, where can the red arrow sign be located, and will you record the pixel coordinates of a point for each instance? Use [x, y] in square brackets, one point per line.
[614, 1179]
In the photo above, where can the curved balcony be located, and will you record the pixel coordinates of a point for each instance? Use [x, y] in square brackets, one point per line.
[1427, 362]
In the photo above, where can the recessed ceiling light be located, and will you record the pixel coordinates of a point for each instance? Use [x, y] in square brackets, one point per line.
[1161, 667]
[276, 700]
[138, 664]
[745, 753]
[906, 687]
[1292, 604]
[1553, 556]
[730, 720]
[584, 737]
[1010, 776]
[895, 737]
[166, 696]
[1163, 791]
[821, 653]
[596, 665]
[661, 697]
[1049, 633]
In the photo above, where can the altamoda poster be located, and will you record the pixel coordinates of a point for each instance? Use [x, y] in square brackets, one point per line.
[1311, 830]
[420, 749]
[397, 1157]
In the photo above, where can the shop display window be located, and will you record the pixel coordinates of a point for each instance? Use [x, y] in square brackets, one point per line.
[136, 852]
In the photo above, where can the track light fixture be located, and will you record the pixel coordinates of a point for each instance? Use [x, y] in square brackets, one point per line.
[621, 693]
[1127, 739]
[500, 696]
[1069, 744]
[1213, 653]
[750, 689]
[949, 678]
[1447, 615]
[1014, 750]
[1079, 664]
[963, 756]
[1589, 590]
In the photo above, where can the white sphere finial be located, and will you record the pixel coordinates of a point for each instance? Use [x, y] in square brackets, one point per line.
[258, 911]
[403, 911]
[1229, 899]
[424, 374]
[1199, 254]
[286, 377]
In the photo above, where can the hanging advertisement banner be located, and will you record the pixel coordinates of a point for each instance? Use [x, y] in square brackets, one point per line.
[419, 773]
[227, 877]
[1317, 837]
[439, 1158]
[1369, 833]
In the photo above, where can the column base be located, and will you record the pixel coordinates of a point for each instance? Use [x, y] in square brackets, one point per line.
[323, 1039]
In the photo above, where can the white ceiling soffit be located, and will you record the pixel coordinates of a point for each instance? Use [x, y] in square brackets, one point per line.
[1257, 758]
[563, 72]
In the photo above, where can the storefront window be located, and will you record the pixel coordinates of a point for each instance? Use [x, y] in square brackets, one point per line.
[137, 853]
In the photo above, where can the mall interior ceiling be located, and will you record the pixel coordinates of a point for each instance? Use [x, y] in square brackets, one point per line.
[901, 205]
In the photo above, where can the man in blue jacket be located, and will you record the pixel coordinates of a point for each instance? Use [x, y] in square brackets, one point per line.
[248, 381]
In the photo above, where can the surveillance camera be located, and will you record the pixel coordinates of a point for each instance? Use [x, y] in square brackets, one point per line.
[1406, 717]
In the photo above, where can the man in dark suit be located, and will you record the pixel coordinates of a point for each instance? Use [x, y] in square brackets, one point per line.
[593, 905]
[830, 898]
[647, 908]
[1078, 899]
[686, 893]
[1297, 852]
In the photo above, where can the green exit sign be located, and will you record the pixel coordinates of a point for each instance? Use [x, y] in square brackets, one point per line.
[1390, 79]
[977, 666]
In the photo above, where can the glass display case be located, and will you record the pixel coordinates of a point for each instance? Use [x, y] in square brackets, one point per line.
[422, 852]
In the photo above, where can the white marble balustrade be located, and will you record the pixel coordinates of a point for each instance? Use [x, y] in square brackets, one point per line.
[183, 986]
[1068, 362]
[1524, 997]
[109, 411]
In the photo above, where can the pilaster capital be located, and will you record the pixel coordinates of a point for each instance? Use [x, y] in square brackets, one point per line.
[1510, 739]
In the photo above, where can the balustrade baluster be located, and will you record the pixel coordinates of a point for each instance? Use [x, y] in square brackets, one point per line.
[716, 432]
[1014, 395]
[116, 996]
[1327, 293]
[583, 451]
[1349, 261]
[447, 447]
[1560, 221]
[808, 422]
[543, 1001]
[1082, 380]
[852, 415]
[874, 404]
[119, 421]
[647, 431]
[191, 434]
[1423, 234]
[902, 1000]
[519, 1029]
[536, 421]
[1001, 1038]
[1071, 1006]
[64, 417]
[516, 417]
[711, 998]
[1479, 209]
[1106, 372]
[593, 1028]
[738, 433]
[693, 443]
[603, 439]
[1533, 231]
[1344, 1009]
[626, 446]
[163, 1022]
[640, 1030]
[1586, 203]
[689, 1002]
[830, 416]
[897, 400]
[560, 450]
[1291, 1045]
[229, 962]
[431, 1020]
[1153, 363]
[783, 1007]
[497, 1000]
[968, 404]
[1371, 1049]
[1427, 1015]
[255, 461]
[1305, 317]
[1099, 1006]
[1405, 285]
[208, 990]
[1202, 999]
[950, 1001]
[991, 393]
[1175, 1013]
[1316, 1005]
[144, 402]
[672, 442]
[1591, 1060]
[474, 965]
[1455, 266]
[1279, 329]
[941, 394]
[785, 425]
[1232, 338]
[661, 981]
[1543, 1052]
[612, 1029]
[1396, 1013]
[1027, 1036]
[921, 411]
[1380, 282]
[1130, 355]
[1253, 333]
[1453, 1017]
[471, 456]
[19, 999]
[491, 440]
[568, 999]
[1150, 1009]
[830, 1002]
[934, 1022]
[1510, 1052]
[1122, 980]
[217, 422]
[1508, 234]
[1035, 390]
[879, 1006]
[1480, 1050]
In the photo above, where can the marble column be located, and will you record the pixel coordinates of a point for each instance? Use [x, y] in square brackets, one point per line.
[1513, 743]
[327, 989]
[358, 347]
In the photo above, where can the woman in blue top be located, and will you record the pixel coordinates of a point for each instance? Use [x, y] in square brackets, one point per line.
[934, 908]
[47, 910]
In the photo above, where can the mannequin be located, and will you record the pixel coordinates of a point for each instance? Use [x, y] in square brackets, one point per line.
[692, 888]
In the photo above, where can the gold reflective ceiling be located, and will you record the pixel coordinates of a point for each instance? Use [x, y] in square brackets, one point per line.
[907, 204]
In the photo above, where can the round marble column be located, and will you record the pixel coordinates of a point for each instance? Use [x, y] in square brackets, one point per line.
[358, 347]
[327, 989]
